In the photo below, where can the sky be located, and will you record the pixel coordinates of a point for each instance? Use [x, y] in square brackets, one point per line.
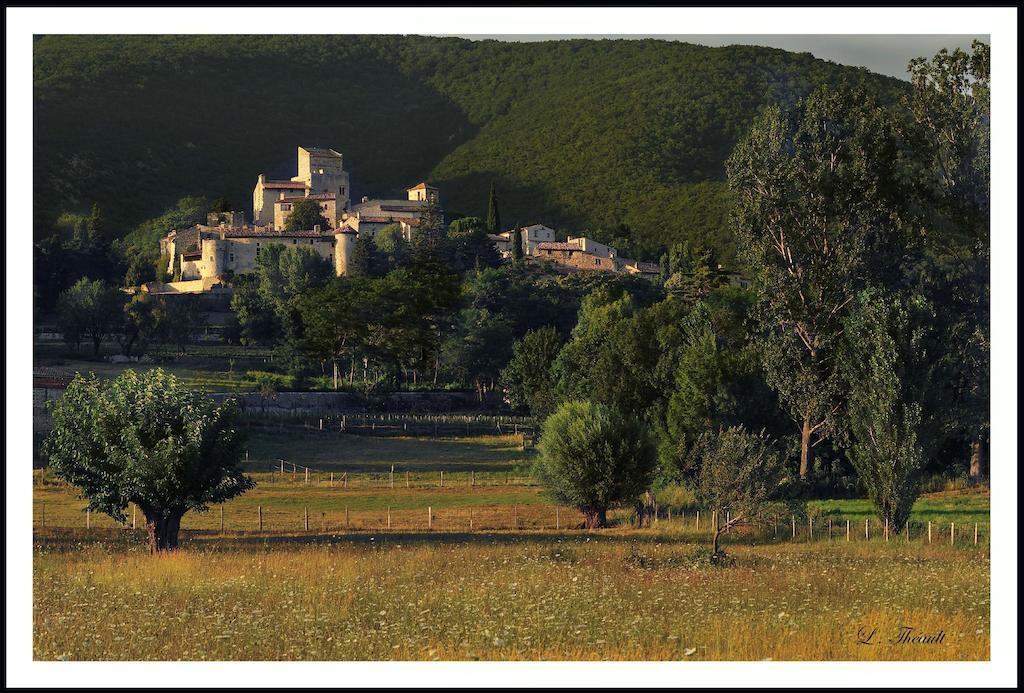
[886, 54]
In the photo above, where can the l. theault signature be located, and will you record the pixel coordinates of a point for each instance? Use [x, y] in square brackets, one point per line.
[904, 635]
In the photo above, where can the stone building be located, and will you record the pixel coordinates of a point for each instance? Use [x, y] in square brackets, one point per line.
[370, 216]
[207, 253]
[320, 171]
[579, 254]
[328, 208]
[530, 236]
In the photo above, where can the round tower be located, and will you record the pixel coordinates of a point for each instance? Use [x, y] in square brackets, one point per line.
[344, 248]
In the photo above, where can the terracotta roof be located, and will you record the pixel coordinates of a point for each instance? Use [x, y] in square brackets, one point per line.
[421, 186]
[317, 196]
[284, 184]
[271, 233]
[551, 245]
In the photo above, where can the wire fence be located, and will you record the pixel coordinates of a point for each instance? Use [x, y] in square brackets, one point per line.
[404, 425]
[339, 517]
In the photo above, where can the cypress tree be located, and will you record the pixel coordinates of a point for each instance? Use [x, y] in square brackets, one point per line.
[493, 216]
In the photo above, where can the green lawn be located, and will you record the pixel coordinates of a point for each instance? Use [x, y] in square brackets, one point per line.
[942, 508]
[332, 451]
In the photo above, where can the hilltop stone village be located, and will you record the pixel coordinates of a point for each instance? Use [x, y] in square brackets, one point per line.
[202, 256]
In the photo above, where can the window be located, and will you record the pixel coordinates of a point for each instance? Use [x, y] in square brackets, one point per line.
[231, 257]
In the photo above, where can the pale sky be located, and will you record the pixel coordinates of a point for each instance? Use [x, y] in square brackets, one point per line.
[886, 54]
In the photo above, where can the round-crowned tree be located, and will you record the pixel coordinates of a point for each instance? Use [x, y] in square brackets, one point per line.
[145, 438]
[594, 458]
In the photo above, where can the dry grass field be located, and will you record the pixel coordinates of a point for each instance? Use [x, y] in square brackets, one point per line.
[615, 595]
[472, 587]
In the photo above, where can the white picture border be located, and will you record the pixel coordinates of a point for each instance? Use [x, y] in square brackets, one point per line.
[1000, 24]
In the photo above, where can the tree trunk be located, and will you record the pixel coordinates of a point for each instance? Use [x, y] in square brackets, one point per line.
[595, 519]
[162, 527]
[335, 362]
[805, 448]
[977, 459]
[714, 540]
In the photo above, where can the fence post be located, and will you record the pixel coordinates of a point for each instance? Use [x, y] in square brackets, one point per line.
[259, 512]
[472, 478]
[392, 477]
[221, 518]
[907, 530]
[332, 479]
[830, 529]
[282, 470]
[697, 525]
[134, 507]
[430, 517]
[471, 518]
[794, 526]
[847, 530]
[307, 476]
[442, 478]
[321, 424]
[515, 517]
[88, 518]
[344, 480]
[975, 533]
[305, 518]
[346, 517]
[887, 529]
[407, 479]
[557, 522]
[952, 534]
[389, 517]
[929, 531]
[866, 529]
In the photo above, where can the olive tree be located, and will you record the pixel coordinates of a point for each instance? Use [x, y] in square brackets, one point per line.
[594, 458]
[145, 438]
[742, 474]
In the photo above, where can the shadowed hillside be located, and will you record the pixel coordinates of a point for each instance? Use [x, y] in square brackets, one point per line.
[582, 134]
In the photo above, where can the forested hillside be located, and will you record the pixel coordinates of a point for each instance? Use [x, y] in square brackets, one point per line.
[585, 135]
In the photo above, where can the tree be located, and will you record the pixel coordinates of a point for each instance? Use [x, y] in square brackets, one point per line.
[742, 474]
[478, 348]
[393, 247]
[365, 261]
[336, 319]
[890, 364]
[527, 379]
[139, 325]
[516, 239]
[493, 216]
[470, 246]
[690, 272]
[305, 216]
[429, 237]
[145, 438]
[950, 128]
[820, 205]
[594, 458]
[91, 310]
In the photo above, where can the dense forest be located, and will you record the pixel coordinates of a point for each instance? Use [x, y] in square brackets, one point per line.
[625, 140]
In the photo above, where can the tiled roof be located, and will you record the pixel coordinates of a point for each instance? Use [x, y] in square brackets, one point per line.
[272, 233]
[421, 186]
[322, 151]
[551, 245]
[317, 196]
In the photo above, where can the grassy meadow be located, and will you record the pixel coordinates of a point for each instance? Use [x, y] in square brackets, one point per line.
[615, 595]
[490, 577]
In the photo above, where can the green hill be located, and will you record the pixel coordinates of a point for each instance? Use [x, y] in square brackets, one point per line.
[585, 135]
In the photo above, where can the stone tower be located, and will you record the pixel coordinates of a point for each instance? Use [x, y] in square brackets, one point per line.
[344, 248]
[322, 172]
